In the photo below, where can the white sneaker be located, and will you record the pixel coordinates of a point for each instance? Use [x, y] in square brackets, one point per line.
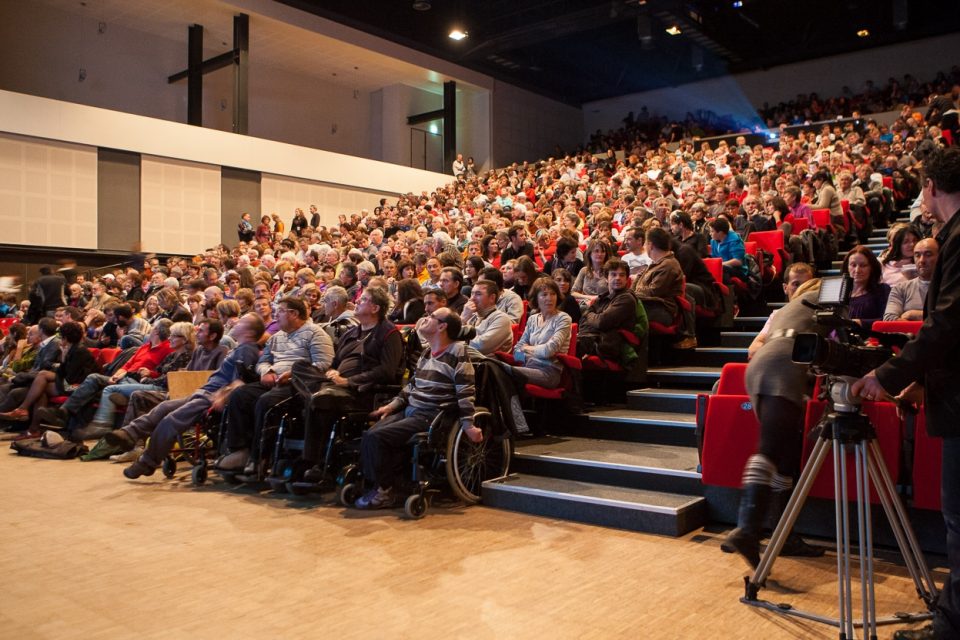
[127, 456]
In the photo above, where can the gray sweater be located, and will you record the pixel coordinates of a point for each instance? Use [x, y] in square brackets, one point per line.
[548, 336]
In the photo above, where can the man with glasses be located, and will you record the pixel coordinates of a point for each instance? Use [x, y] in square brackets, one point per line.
[298, 339]
[444, 374]
[368, 354]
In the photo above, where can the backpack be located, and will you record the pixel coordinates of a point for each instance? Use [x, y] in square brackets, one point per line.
[754, 278]
[38, 448]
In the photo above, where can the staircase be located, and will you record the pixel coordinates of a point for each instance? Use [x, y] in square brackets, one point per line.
[636, 466]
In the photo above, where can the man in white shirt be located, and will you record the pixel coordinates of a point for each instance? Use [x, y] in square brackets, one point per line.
[635, 257]
[487, 328]
[906, 298]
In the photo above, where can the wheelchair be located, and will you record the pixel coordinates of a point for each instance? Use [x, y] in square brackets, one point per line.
[341, 455]
[444, 462]
[197, 446]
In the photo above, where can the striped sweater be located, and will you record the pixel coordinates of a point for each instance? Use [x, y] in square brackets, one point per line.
[442, 378]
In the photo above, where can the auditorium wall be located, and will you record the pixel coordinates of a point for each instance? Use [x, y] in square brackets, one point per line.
[527, 126]
[172, 192]
[125, 69]
[826, 76]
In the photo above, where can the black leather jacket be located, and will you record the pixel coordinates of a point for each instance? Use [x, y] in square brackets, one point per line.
[933, 357]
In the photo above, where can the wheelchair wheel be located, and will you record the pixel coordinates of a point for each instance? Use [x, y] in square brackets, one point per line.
[347, 494]
[469, 465]
[169, 467]
[415, 506]
[199, 474]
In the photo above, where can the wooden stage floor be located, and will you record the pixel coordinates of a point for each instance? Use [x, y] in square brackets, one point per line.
[86, 554]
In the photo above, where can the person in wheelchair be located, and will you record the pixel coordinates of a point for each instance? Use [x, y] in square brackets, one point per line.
[369, 354]
[172, 418]
[444, 373]
[298, 339]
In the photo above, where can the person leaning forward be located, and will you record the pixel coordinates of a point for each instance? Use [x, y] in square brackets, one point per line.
[298, 339]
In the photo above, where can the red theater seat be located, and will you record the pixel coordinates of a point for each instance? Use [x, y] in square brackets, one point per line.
[730, 428]
[927, 465]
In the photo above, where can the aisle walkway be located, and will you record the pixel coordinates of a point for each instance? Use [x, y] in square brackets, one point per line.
[86, 554]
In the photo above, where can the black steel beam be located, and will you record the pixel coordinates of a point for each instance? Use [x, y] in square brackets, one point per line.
[206, 66]
[420, 118]
[195, 75]
[241, 93]
[449, 123]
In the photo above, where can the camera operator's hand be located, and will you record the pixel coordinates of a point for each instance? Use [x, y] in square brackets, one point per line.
[869, 388]
[912, 396]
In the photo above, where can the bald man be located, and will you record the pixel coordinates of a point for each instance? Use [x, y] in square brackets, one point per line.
[906, 298]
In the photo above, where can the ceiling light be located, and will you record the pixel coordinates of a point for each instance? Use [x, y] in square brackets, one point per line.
[863, 33]
[456, 34]
[737, 4]
[421, 5]
[673, 30]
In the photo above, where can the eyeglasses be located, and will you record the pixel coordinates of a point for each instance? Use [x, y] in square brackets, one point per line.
[437, 318]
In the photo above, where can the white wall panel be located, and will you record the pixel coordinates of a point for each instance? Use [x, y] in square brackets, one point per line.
[282, 195]
[43, 118]
[48, 193]
[179, 205]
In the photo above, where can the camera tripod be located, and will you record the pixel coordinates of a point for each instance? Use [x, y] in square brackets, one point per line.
[845, 425]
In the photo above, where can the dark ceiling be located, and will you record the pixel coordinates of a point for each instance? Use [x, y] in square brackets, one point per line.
[582, 50]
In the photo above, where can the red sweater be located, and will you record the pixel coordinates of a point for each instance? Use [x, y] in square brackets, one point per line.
[148, 357]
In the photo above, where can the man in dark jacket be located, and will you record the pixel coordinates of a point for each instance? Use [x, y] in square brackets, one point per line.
[46, 294]
[613, 310]
[48, 356]
[367, 355]
[928, 369]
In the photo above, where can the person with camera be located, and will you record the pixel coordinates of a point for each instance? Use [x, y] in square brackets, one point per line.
[928, 370]
[777, 386]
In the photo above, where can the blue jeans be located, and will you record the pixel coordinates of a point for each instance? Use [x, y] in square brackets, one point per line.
[947, 621]
[106, 409]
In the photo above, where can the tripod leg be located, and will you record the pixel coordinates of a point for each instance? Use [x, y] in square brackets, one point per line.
[792, 510]
[900, 524]
[867, 592]
[842, 512]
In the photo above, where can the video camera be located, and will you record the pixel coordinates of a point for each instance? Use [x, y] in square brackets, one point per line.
[849, 354]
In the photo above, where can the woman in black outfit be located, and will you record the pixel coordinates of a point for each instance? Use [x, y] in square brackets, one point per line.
[409, 307]
[568, 304]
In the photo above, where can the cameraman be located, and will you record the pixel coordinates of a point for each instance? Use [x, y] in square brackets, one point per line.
[929, 367]
[777, 386]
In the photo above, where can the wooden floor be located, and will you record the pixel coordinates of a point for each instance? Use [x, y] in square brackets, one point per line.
[86, 554]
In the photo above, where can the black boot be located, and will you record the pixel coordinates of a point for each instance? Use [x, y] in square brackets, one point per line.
[794, 546]
[745, 539]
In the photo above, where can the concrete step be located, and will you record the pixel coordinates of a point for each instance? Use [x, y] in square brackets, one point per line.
[749, 323]
[650, 426]
[637, 465]
[641, 510]
[709, 356]
[686, 377]
[654, 399]
[737, 338]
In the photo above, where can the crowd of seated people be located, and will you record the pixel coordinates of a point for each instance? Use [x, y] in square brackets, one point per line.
[643, 130]
[541, 246]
